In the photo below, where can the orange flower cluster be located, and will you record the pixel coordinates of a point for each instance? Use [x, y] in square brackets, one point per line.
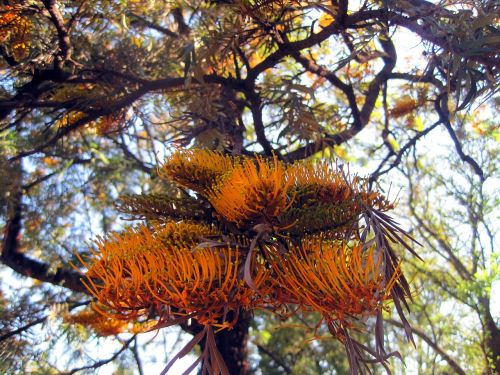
[252, 190]
[302, 197]
[69, 118]
[280, 234]
[186, 233]
[110, 123]
[404, 106]
[139, 272]
[102, 325]
[196, 169]
[14, 30]
[333, 278]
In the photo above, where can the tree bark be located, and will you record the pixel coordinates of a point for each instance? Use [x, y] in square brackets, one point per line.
[492, 337]
[233, 345]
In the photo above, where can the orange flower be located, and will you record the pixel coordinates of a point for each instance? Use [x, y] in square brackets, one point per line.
[255, 190]
[69, 119]
[110, 123]
[113, 277]
[14, 30]
[184, 232]
[327, 184]
[207, 285]
[196, 169]
[403, 106]
[333, 278]
[138, 272]
[326, 199]
[102, 325]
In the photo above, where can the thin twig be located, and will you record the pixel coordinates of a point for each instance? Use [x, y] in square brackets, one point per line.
[103, 362]
[278, 361]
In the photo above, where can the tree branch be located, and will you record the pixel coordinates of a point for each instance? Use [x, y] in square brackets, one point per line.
[441, 106]
[347, 89]
[137, 358]
[453, 364]
[365, 113]
[420, 25]
[23, 264]
[452, 258]
[126, 101]
[278, 361]
[151, 25]
[139, 163]
[399, 155]
[103, 362]
[290, 48]
[9, 334]
[256, 109]
[62, 33]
